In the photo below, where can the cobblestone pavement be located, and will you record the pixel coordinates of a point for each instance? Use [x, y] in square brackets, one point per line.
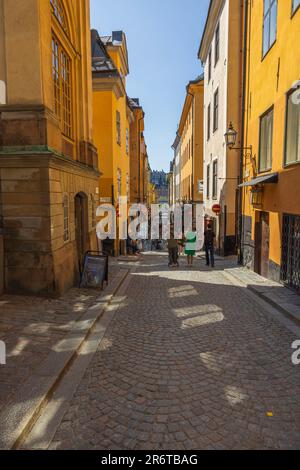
[31, 327]
[190, 361]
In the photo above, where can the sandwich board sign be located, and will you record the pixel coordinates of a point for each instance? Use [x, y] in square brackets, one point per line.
[95, 270]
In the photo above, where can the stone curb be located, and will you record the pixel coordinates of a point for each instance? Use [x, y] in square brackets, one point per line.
[290, 310]
[20, 414]
[43, 431]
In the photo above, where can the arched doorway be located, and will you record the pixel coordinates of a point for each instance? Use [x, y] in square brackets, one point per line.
[81, 227]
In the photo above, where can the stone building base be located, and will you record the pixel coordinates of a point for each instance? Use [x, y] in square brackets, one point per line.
[40, 257]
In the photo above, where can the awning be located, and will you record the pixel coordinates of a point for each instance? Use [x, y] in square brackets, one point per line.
[265, 179]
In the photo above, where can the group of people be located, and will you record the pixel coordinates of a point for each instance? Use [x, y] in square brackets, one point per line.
[132, 246]
[188, 244]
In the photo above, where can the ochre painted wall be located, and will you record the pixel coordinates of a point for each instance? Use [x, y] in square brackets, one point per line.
[269, 80]
[39, 165]
[191, 133]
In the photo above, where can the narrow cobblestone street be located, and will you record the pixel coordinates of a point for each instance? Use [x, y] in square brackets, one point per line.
[189, 361]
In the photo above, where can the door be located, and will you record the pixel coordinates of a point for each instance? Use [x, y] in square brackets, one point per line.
[262, 244]
[290, 265]
[81, 228]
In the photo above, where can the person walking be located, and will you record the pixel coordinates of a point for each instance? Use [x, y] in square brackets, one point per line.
[181, 245]
[209, 244]
[190, 247]
[173, 250]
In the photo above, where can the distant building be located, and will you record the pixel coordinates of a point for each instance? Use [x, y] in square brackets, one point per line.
[160, 179]
[177, 168]
[138, 154]
[188, 146]
[113, 117]
[171, 185]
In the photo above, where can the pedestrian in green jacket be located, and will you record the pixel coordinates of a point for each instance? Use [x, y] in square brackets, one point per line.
[190, 247]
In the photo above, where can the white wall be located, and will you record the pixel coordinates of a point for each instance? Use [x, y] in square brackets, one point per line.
[215, 148]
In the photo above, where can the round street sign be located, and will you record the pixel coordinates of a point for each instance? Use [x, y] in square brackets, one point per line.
[217, 209]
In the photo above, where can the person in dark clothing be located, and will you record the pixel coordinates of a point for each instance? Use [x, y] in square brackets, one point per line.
[209, 244]
[173, 250]
[173, 253]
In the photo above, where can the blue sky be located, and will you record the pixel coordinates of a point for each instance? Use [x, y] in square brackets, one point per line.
[163, 38]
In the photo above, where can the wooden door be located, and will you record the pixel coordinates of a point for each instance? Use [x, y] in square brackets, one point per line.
[262, 245]
[265, 244]
[81, 228]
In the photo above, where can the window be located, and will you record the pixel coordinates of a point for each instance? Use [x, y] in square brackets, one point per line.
[118, 121]
[127, 141]
[56, 76]
[216, 110]
[295, 5]
[292, 147]
[266, 141]
[208, 121]
[215, 179]
[59, 13]
[66, 93]
[119, 177]
[66, 218]
[208, 182]
[217, 44]
[94, 210]
[127, 186]
[270, 24]
[200, 186]
[61, 74]
[209, 66]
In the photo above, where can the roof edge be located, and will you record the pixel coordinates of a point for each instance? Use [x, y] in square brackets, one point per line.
[215, 8]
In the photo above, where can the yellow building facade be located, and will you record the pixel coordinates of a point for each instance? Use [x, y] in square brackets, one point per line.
[271, 202]
[137, 153]
[191, 135]
[112, 116]
[49, 174]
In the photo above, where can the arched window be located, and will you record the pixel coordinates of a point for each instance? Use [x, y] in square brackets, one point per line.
[66, 218]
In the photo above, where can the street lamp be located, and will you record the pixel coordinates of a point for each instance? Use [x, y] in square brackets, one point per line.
[230, 136]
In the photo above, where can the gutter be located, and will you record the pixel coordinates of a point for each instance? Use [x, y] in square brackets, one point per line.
[139, 155]
[240, 245]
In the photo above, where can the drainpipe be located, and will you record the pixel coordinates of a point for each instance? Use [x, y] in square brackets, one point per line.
[193, 142]
[244, 88]
[139, 155]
